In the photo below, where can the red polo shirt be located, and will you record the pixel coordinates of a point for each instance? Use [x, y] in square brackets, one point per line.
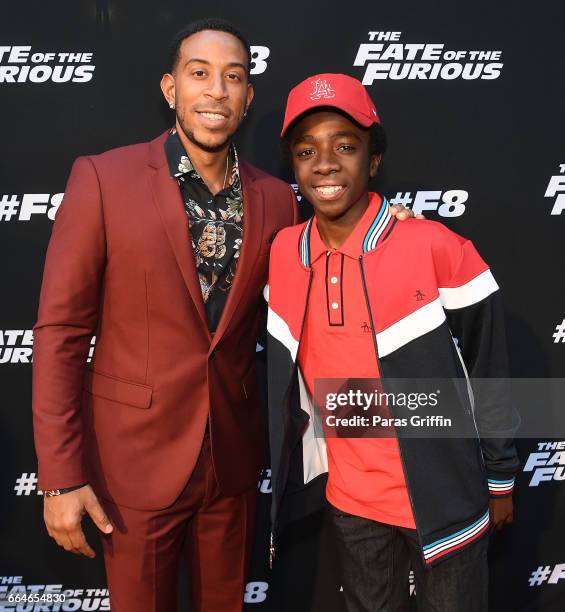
[365, 475]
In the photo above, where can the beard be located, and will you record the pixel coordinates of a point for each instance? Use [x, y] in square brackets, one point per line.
[209, 148]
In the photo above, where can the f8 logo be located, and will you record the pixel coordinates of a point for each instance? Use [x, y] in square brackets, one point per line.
[452, 203]
[259, 55]
[255, 592]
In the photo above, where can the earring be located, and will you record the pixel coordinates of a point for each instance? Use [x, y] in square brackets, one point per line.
[245, 113]
[172, 105]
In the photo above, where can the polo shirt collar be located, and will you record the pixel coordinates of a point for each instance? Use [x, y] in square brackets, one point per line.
[363, 238]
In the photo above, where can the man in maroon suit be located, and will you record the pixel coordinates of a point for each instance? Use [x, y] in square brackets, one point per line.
[160, 249]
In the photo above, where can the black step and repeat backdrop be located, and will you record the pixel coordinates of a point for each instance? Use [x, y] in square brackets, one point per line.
[471, 95]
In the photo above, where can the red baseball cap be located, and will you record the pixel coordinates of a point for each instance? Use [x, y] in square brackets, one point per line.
[336, 90]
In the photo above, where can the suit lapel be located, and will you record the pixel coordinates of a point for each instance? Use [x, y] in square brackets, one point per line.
[253, 218]
[169, 204]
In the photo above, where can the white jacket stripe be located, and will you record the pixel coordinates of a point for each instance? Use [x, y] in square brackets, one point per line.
[470, 293]
[409, 328]
[280, 330]
[314, 449]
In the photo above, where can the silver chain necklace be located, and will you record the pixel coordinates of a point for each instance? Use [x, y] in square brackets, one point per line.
[227, 166]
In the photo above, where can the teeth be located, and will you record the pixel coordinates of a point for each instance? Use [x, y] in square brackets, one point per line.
[329, 190]
[213, 116]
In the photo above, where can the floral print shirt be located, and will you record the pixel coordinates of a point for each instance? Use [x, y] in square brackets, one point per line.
[215, 223]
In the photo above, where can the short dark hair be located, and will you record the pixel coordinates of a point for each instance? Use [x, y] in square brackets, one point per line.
[377, 139]
[377, 135]
[209, 23]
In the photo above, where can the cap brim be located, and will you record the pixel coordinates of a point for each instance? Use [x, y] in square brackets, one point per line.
[359, 118]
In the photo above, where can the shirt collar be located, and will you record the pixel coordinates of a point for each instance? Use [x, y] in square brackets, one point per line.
[354, 244]
[180, 165]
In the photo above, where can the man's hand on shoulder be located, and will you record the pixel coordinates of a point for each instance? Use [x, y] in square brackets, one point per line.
[63, 516]
[501, 512]
[402, 213]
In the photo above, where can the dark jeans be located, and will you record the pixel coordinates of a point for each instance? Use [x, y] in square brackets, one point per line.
[375, 560]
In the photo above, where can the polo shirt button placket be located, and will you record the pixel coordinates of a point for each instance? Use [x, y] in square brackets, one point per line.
[334, 287]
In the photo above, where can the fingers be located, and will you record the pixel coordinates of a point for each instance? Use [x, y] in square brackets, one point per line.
[98, 515]
[64, 540]
[499, 522]
[63, 516]
[401, 212]
[79, 543]
[69, 537]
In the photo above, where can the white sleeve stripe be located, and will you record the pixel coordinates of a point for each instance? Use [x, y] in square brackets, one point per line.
[414, 325]
[470, 293]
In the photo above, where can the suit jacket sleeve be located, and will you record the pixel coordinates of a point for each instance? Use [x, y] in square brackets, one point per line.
[474, 309]
[67, 320]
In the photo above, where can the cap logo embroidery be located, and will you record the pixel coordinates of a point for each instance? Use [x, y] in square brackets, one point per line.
[322, 89]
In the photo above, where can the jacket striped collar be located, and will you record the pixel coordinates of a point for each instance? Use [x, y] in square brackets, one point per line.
[378, 231]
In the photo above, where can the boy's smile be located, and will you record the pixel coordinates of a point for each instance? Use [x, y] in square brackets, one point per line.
[329, 192]
[332, 166]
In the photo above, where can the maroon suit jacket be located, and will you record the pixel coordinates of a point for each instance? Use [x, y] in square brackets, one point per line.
[120, 265]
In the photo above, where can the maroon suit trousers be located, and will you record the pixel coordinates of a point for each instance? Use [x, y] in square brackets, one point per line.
[143, 553]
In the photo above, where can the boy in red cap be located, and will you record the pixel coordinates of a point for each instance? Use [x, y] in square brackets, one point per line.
[340, 308]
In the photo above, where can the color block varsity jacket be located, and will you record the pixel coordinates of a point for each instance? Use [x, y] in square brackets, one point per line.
[436, 312]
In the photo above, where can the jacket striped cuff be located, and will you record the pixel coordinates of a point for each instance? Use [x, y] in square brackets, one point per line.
[445, 546]
[500, 488]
